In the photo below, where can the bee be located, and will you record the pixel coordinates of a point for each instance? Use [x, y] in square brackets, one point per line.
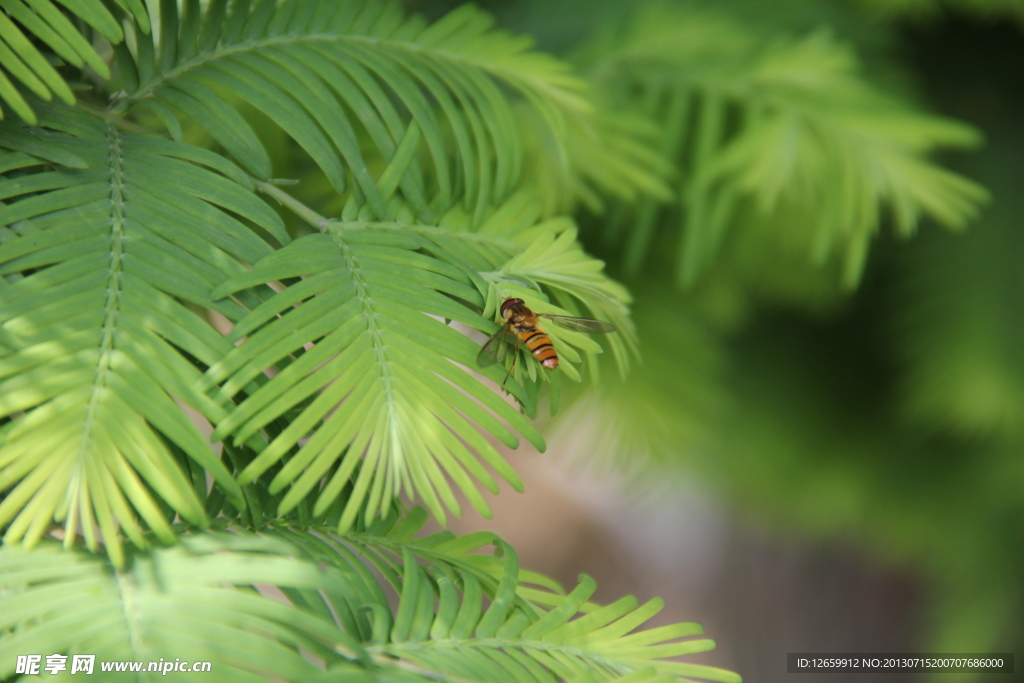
[521, 324]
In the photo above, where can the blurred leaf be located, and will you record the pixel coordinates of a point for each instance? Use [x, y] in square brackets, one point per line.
[957, 328]
[783, 148]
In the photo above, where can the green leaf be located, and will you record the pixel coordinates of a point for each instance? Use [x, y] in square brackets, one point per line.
[517, 638]
[788, 156]
[97, 344]
[324, 71]
[405, 409]
[22, 60]
[197, 599]
[205, 596]
[383, 400]
[66, 31]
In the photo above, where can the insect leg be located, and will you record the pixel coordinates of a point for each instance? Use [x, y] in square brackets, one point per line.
[515, 359]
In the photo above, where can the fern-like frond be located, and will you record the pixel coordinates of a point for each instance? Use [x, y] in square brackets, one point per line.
[104, 234]
[782, 138]
[402, 402]
[21, 21]
[469, 616]
[384, 388]
[608, 154]
[196, 602]
[333, 74]
[461, 614]
[554, 262]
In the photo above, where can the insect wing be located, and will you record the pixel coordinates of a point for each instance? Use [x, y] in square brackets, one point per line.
[587, 325]
[492, 349]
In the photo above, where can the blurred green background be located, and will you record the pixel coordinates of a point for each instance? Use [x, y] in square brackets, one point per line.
[838, 428]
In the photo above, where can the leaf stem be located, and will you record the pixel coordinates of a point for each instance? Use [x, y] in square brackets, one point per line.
[112, 119]
[298, 208]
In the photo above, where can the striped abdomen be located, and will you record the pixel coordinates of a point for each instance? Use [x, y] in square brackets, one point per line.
[539, 344]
